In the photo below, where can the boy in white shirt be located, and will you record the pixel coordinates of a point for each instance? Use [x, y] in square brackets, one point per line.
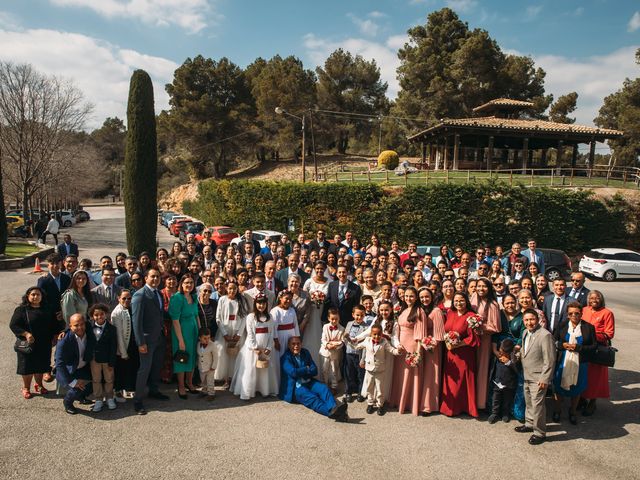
[207, 362]
[331, 349]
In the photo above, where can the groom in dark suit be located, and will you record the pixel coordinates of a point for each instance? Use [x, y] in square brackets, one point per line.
[147, 319]
[343, 295]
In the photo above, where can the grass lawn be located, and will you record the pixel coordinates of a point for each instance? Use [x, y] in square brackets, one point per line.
[462, 177]
[18, 250]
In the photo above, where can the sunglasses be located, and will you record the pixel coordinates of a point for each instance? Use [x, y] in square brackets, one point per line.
[207, 291]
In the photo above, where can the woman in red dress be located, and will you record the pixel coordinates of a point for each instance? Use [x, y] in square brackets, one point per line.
[597, 375]
[459, 373]
[407, 381]
[484, 302]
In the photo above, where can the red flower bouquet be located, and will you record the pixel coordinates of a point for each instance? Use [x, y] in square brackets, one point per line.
[475, 322]
[318, 298]
[397, 310]
[451, 339]
[413, 359]
[428, 343]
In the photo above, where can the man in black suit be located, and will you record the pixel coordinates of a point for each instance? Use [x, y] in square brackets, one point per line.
[124, 280]
[343, 295]
[67, 247]
[319, 242]
[578, 291]
[248, 237]
[555, 306]
[54, 284]
[283, 275]
[148, 319]
[107, 292]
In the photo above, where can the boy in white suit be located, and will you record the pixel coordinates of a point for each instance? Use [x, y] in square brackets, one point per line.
[374, 365]
[331, 349]
[207, 362]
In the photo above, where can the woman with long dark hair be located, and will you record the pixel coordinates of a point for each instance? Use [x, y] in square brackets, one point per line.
[77, 298]
[406, 390]
[37, 325]
[432, 355]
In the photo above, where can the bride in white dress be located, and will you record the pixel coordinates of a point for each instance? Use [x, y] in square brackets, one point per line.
[312, 335]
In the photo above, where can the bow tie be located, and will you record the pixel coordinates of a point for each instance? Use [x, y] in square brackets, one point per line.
[202, 345]
[333, 328]
[375, 342]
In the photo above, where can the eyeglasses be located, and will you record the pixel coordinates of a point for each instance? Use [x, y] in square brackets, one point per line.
[573, 314]
[496, 284]
[207, 291]
[126, 299]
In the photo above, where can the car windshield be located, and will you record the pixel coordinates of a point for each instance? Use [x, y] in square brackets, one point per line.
[599, 255]
[225, 231]
[275, 238]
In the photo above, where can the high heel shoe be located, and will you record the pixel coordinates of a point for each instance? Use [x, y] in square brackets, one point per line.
[26, 393]
[182, 396]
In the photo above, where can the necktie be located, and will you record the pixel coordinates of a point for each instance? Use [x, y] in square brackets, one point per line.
[526, 343]
[159, 298]
[269, 285]
[341, 293]
[556, 313]
[573, 293]
[109, 293]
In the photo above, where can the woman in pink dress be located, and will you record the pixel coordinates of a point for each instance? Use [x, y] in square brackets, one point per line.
[407, 381]
[485, 304]
[459, 372]
[432, 359]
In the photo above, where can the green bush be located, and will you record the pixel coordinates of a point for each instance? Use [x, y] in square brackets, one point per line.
[431, 214]
[388, 160]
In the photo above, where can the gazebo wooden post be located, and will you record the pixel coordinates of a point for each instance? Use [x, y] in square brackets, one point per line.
[525, 155]
[574, 156]
[490, 154]
[559, 156]
[592, 156]
[424, 155]
[456, 148]
[445, 156]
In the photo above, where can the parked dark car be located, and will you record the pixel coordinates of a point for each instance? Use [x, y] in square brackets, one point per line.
[82, 216]
[557, 264]
[190, 227]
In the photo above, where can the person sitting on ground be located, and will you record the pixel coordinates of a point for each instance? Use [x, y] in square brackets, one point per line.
[297, 384]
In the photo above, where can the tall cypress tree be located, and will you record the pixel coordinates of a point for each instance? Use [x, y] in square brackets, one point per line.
[141, 167]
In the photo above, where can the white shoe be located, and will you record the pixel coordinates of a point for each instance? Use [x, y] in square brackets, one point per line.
[97, 407]
[111, 404]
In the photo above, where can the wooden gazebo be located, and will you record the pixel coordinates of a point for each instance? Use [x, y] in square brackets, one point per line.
[503, 137]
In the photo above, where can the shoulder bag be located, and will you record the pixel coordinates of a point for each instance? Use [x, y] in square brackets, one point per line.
[22, 345]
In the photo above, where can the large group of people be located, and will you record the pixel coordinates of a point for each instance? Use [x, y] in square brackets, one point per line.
[476, 333]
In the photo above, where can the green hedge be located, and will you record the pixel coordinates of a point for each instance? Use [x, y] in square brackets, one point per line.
[430, 214]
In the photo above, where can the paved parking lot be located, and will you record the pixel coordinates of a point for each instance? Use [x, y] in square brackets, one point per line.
[269, 439]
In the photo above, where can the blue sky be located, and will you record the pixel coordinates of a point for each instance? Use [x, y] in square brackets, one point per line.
[586, 46]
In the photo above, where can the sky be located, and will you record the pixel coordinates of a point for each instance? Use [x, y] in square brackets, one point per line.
[586, 46]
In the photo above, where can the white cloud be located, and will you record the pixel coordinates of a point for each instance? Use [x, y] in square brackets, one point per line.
[190, 15]
[634, 22]
[366, 26]
[396, 42]
[376, 14]
[593, 78]
[385, 56]
[463, 6]
[99, 69]
[532, 12]
[8, 21]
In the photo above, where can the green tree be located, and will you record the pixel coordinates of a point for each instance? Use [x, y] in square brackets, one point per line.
[109, 140]
[621, 111]
[561, 108]
[282, 82]
[350, 84]
[211, 111]
[141, 166]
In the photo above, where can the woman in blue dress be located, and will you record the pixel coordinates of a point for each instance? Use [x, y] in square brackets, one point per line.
[183, 310]
[575, 341]
[512, 328]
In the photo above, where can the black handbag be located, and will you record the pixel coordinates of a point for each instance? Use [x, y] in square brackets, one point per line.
[604, 355]
[181, 356]
[22, 345]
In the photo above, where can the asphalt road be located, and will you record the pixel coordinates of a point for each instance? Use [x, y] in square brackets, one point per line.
[269, 439]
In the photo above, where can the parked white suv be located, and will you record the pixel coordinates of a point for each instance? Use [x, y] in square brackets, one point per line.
[67, 217]
[611, 263]
[262, 236]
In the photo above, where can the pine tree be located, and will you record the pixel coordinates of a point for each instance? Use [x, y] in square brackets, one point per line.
[140, 166]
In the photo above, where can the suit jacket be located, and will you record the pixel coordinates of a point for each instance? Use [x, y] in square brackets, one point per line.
[256, 247]
[100, 295]
[63, 251]
[539, 356]
[537, 257]
[588, 340]
[292, 371]
[68, 355]
[583, 295]
[314, 246]
[121, 319]
[106, 347]
[53, 296]
[147, 317]
[374, 355]
[283, 276]
[207, 357]
[506, 375]
[123, 281]
[352, 298]
[547, 310]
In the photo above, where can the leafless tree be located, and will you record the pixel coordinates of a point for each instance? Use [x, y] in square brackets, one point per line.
[40, 115]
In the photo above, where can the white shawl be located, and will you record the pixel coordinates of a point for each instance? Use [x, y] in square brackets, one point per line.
[571, 364]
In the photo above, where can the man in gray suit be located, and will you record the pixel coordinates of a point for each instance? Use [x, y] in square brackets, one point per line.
[147, 319]
[107, 292]
[538, 357]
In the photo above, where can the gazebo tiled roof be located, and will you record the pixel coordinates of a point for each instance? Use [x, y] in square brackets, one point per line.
[503, 102]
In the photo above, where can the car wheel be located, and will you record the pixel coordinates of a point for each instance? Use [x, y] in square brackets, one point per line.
[67, 223]
[609, 276]
[553, 274]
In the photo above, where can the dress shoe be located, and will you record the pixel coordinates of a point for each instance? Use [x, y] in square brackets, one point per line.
[523, 429]
[139, 408]
[492, 419]
[338, 411]
[506, 419]
[536, 440]
[381, 411]
[47, 377]
[555, 416]
[85, 401]
[193, 391]
[360, 398]
[70, 409]
[343, 419]
[425, 414]
[589, 409]
[158, 396]
[573, 419]
[348, 398]
[370, 409]
[211, 398]
[182, 396]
